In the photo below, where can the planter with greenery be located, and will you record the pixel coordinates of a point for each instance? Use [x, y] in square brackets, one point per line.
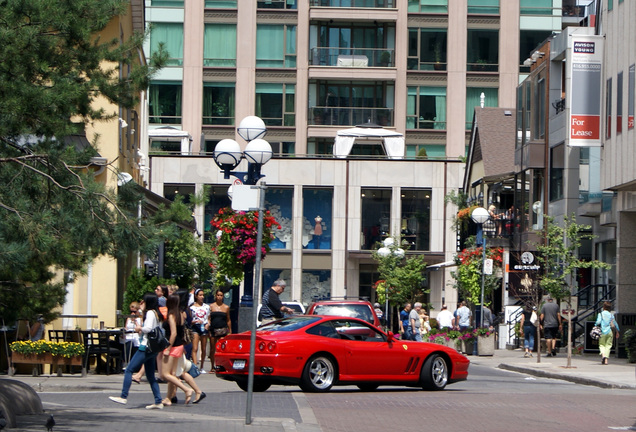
[629, 337]
[44, 352]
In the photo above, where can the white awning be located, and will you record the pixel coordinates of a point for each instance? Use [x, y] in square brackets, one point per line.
[172, 134]
[393, 141]
[441, 265]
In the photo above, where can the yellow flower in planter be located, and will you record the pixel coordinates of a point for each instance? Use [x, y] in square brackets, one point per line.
[61, 349]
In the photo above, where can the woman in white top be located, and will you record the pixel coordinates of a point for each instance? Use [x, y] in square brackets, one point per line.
[200, 326]
[130, 338]
[152, 318]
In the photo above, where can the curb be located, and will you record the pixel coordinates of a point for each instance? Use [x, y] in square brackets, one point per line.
[570, 378]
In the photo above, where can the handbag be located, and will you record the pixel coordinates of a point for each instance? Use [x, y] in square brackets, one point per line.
[533, 318]
[157, 340]
[595, 333]
[220, 332]
[193, 371]
[187, 335]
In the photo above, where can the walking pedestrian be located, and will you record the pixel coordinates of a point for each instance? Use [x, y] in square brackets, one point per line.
[527, 328]
[200, 326]
[152, 318]
[414, 322]
[405, 325]
[608, 324]
[445, 319]
[220, 323]
[550, 319]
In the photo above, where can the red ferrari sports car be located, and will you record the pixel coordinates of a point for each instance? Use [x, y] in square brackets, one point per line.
[317, 352]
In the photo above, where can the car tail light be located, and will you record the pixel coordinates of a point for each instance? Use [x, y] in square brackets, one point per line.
[261, 346]
[221, 346]
[271, 347]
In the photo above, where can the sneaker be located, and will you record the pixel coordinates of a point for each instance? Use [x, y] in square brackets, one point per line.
[118, 400]
[526, 354]
[549, 355]
[155, 406]
[530, 355]
[174, 400]
[554, 353]
[203, 371]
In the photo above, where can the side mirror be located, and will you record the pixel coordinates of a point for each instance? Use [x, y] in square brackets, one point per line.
[391, 337]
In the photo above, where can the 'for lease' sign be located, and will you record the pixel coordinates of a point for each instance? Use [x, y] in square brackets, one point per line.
[585, 64]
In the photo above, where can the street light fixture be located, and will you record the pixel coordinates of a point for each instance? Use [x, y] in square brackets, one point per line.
[228, 155]
[480, 216]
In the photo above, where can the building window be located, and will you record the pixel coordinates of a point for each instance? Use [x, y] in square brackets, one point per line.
[557, 164]
[422, 151]
[217, 199]
[344, 44]
[317, 218]
[473, 100]
[275, 104]
[166, 3]
[277, 4]
[220, 4]
[610, 5]
[172, 191]
[536, 7]
[483, 50]
[345, 103]
[619, 103]
[219, 45]
[218, 103]
[279, 203]
[282, 148]
[528, 41]
[427, 49]
[539, 121]
[320, 147]
[164, 99]
[316, 285]
[416, 218]
[275, 46]
[171, 36]
[483, 7]
[608, 108]
[630, 97]
[271, 275]
[426, 108]
[428, 6]
[376, 216]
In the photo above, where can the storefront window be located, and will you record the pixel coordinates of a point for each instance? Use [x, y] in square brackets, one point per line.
[218, 199]
[416, 217]
[376, 216]
[317, 218]
[316, 285]
[279, 203]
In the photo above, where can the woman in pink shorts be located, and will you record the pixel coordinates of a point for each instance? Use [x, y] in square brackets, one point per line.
[174, 333]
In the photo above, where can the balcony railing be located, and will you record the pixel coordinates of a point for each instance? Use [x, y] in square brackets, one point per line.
[352, 57]
[482, 66]
[218, 120]
[164, 119]
[376, 4]
[345, 116]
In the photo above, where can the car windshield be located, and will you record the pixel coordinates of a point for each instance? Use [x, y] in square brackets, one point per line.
[361, 311]
[288, 324]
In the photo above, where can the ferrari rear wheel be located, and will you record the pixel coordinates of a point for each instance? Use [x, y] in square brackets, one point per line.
[434, 375]
[368, 387]
[319, 374]
[257, 387]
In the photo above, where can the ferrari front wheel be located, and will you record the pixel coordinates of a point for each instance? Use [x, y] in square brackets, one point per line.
[434, 375]
[319, 374]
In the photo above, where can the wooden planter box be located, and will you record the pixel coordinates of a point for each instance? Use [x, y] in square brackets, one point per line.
[56, 362]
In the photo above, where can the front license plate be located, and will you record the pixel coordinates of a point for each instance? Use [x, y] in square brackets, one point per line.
[239, 364]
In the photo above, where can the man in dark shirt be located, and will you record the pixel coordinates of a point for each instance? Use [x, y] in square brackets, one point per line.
[272, 308]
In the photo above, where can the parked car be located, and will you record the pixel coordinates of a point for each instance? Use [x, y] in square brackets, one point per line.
[317, 352]
[297, 307]
[349, 308]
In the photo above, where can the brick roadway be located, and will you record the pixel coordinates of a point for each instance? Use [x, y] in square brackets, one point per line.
[462, 408]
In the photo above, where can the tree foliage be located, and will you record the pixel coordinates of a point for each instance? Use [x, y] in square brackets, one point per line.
[188, 260]
[469, 271]
[54, 214]
[401, 276]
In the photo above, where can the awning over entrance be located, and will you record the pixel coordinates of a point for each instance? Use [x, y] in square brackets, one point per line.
[393, 141]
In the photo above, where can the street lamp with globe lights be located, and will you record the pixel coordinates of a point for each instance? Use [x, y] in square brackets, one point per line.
[480, 216]
[228, 155]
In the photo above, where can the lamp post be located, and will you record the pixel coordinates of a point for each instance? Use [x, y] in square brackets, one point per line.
[228, 155]
[480, 215]
[389, 248]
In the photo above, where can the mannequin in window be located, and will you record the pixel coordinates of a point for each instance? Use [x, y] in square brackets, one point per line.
[317, 232]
